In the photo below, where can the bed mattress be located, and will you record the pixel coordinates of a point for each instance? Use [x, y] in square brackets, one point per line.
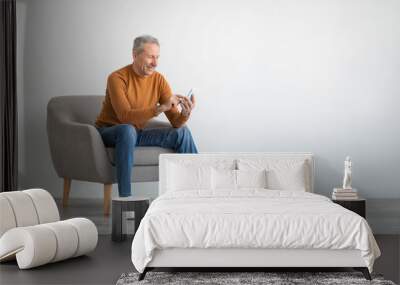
[250, 219]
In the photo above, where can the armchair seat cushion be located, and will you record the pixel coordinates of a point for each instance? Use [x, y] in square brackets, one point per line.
[143, 155]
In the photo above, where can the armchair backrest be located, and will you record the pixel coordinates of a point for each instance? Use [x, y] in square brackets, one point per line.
[81, 109]
[26, 208]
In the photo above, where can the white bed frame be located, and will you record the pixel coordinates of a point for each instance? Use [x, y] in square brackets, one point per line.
[234, 257]
[246, 258]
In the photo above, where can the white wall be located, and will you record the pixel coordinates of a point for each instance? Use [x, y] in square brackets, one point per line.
[310, 75]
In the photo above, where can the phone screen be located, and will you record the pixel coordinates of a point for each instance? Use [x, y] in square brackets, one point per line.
[190, 93]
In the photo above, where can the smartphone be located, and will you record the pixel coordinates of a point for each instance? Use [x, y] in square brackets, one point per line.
[190, 93]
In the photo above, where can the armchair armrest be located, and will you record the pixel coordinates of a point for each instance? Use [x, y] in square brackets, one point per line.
[78, 152]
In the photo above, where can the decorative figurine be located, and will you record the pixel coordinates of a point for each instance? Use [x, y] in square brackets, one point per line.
[347, 173]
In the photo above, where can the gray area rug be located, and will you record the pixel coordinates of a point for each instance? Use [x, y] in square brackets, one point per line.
[229, 278]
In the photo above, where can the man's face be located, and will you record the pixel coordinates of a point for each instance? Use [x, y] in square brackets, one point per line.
[146, 61]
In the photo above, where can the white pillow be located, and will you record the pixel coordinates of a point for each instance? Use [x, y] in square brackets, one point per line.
[282, 174]
[287, 179]
[223, 179]
[251, 178]
[188, 177]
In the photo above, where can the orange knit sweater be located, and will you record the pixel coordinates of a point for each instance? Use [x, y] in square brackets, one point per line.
[132, 99]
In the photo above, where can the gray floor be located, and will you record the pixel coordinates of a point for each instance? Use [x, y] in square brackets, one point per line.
[110, 259]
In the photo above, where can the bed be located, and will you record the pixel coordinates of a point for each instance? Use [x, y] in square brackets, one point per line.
[245, 210]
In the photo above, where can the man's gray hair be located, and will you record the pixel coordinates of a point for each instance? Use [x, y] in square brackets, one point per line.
[139, 42]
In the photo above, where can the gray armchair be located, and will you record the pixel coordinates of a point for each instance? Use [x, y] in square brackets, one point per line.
[78, 152]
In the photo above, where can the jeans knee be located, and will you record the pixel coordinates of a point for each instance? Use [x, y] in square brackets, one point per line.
[127, 133]
[183, 132]
[184, 142]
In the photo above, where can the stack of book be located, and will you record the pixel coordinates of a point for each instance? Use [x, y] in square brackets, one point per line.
[344, 194]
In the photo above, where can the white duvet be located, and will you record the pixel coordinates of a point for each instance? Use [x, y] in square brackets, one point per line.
[251, 218]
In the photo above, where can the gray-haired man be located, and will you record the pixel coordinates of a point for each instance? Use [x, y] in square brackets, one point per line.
[135, 94]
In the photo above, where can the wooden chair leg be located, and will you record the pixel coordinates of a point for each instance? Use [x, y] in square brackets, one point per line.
[67, 188]
[107, 198]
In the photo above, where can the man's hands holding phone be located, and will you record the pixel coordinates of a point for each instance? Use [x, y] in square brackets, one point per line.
[172, 102]
[186, 104]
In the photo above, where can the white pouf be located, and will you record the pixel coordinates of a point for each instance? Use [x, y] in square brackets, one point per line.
[31, 232]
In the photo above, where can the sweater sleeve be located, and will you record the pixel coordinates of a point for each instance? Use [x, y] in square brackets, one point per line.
[174, 116]
[117, 91]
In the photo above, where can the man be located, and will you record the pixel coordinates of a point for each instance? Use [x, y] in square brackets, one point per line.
[135, 94]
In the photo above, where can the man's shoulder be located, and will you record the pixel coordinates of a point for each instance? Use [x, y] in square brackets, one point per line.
[121, 72]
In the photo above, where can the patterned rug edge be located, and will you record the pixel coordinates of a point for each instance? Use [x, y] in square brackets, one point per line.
[269, 278]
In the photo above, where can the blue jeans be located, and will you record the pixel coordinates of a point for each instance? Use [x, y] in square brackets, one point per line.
[124, 138]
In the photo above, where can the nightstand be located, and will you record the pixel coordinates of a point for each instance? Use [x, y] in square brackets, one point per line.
[357, 205]
[138, 205]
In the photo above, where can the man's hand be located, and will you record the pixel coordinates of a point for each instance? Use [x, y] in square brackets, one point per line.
[172, 102]
[186, 104]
